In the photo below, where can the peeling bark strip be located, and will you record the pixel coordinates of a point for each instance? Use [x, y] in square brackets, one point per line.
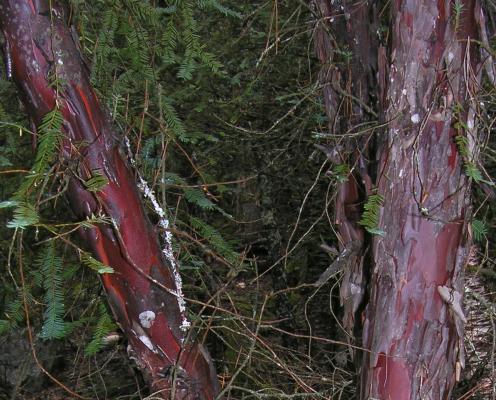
[414, 322]
[142, 292]
[348, 24]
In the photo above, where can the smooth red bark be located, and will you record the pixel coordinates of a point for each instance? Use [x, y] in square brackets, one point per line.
[39, 44]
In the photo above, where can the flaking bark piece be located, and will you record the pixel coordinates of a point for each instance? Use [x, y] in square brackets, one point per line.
[454, 300]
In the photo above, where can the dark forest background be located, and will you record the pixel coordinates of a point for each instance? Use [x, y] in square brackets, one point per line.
[223, 108]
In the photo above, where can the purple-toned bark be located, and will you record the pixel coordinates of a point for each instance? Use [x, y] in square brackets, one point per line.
[427, 82]
[414, 322]
[346, 85]
[143, 292]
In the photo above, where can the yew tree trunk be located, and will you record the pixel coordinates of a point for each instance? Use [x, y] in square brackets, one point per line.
[347, 85]
[144, 292]
[427, 82]
[414, 320]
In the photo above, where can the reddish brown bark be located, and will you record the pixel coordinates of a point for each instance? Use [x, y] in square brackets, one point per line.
[415, 337]
[413, 323]
[142, 292]
[348, 26]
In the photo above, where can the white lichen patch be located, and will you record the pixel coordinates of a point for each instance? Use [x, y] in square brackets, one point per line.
[147, 318]
[451, 56]
[167, 241]
[185, 324]
[415, 118]
[147, 342]
[34, 64]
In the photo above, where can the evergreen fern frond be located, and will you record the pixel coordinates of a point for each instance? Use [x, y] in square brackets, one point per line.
[187, 67]
[97, 181]
[15, 311]
[95, 265]
[171, 178]
[462, 145]
[142, 10]
[71, 326]
[458, 8]
[210, 61]
[194, 195]
[172, 119]
[24, 215]
[473, 172]
[197, 197]
[49, 134]
[51, 122]
[94, 220]
[461, 139]
[105, 48]
[371, 214]
[9, 203]
[167, 10]
[53, 315]
[104, 326]
[471, 169]
[479, 230]
[228, 12]
[14, 314]
[194, 53]
[169, 43]
[341, 172]
[137, 37]
[213, 236]
[4, 326]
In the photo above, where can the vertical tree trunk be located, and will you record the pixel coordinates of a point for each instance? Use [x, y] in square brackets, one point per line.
[144, 292]
[348, 26]
[413, 321]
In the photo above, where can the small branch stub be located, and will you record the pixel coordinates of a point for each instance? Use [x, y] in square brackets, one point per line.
[454, 300]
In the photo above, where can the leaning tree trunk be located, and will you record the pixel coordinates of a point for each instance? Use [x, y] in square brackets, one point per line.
[144, 292]
[426, 96]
